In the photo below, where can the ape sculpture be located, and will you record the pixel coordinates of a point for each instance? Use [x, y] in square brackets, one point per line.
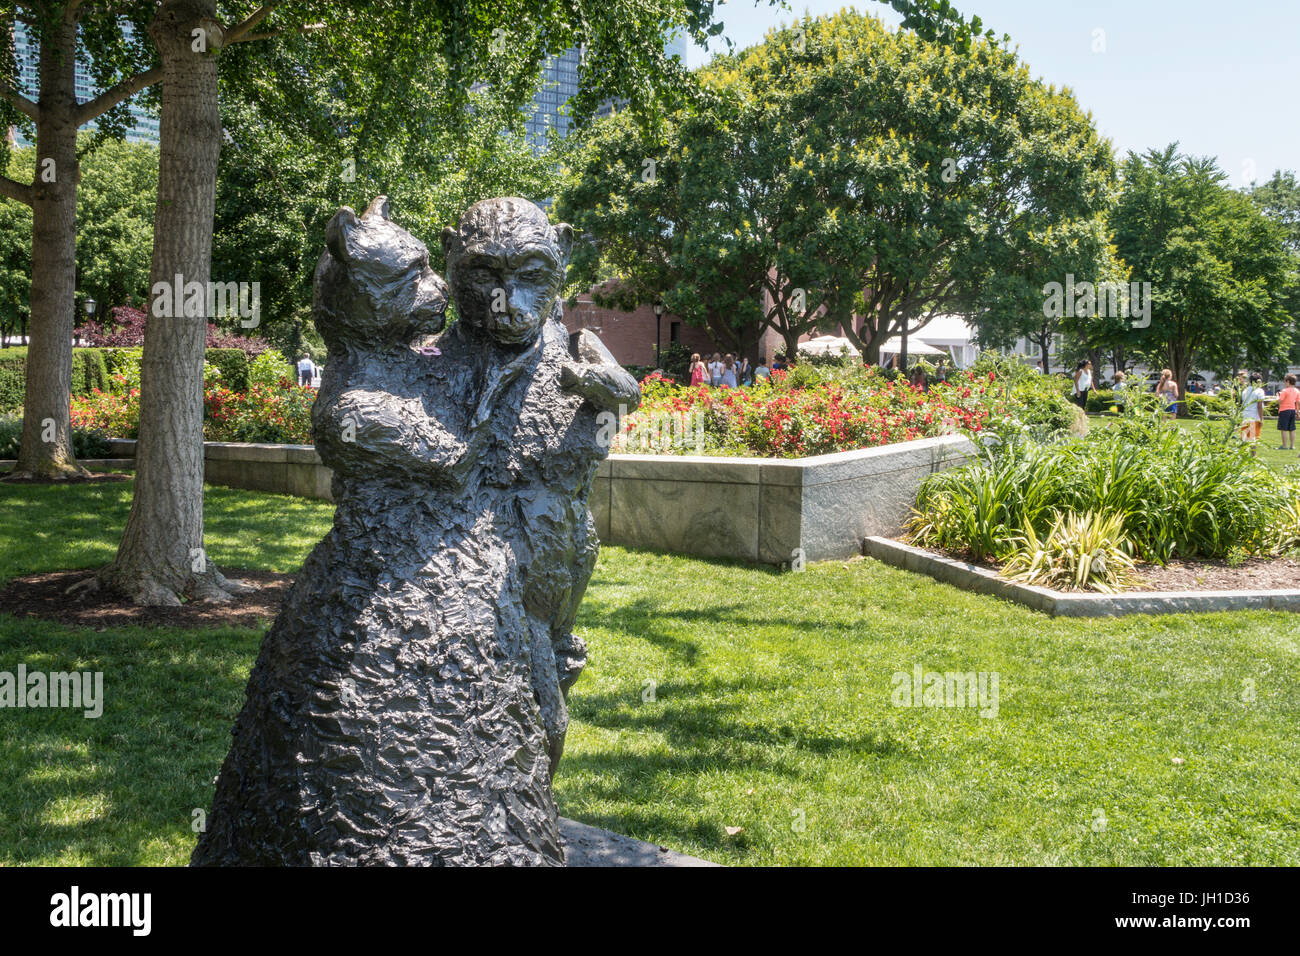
[408, 704]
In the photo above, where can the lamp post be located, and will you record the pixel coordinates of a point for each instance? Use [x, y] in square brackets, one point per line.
[88, 306]
[659, 314]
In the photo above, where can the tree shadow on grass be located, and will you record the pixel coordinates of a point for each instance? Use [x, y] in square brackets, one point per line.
[120, 789]
[647, 620]
[707, 729]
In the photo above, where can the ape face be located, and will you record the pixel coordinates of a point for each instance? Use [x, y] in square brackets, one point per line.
[509, 297]
[506, 266]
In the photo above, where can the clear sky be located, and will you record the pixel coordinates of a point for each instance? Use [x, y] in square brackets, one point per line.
[1223, 79]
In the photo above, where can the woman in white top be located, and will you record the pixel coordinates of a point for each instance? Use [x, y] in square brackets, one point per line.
[1082, 383]
[715, 370]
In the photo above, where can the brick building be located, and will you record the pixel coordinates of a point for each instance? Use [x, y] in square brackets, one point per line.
[630, 336]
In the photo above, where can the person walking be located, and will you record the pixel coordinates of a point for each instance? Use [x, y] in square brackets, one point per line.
[1167, 389]
[1082, 383]
[698, 370]
[728, 379]
[1287, 404]
[1252, 412]
[715, 370]
[306, 369]
[1120, 392]
[744, 373]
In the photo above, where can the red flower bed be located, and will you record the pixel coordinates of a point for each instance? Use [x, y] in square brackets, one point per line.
[278, 413]
[786, 420]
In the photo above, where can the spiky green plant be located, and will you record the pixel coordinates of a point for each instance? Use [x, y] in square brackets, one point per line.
[1084, 552]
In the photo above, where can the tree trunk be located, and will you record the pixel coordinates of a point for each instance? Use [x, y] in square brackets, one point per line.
[161, 556]
[46, 444]
[1118, 359]
[1044, 345]
[871, 340]
[1180, 363]
[1096, 356]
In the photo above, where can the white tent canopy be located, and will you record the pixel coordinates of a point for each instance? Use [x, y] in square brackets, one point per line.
[828, 345]
[951, 334]
[915, 346]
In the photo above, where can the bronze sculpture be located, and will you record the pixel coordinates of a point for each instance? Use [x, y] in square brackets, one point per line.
[408, 704]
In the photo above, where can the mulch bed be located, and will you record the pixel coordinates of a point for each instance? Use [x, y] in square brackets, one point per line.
[1253, 574]
[45, 596]
[86, 479]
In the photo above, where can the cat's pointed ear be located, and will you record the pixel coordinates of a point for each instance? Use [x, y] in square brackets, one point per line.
[336, 233]
[378, 207]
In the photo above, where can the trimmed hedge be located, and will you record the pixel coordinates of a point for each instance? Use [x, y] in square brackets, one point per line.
[233, 365]
[93, 368]
[89, 372]
[13, 364]
[1101, 401]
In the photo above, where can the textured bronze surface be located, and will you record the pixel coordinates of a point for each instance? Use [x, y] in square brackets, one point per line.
[407, 706]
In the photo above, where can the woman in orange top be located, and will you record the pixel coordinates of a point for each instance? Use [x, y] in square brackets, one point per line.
[1287, 404]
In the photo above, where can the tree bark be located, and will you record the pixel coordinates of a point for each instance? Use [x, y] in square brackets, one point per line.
[1180, 363]
[871, 342]
[46, 444]
[1045, 346]
[161, 556]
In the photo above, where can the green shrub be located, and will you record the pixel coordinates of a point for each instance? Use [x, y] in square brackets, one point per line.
[1037, 403]
[89, 372]
[270, 368]
[1177, 494]
[13, 363]
[233, 365]
[11, 430]
[121, 360]
[86, 442]
[675, 360]
[1086, 552]
[1208, 406]
[1107, 401]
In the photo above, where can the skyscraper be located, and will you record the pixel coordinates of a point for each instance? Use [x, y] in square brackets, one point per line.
[547, 120]
[144, 125]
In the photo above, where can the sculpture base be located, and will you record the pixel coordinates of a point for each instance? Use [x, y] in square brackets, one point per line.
[591, 846]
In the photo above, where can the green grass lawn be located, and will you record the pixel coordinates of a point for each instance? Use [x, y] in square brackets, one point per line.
[720, 696]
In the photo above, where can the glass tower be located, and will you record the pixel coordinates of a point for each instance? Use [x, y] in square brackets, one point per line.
[547, 121]
[144, 125]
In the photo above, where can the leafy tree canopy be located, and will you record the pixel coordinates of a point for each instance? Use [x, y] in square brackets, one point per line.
[1217, 265]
